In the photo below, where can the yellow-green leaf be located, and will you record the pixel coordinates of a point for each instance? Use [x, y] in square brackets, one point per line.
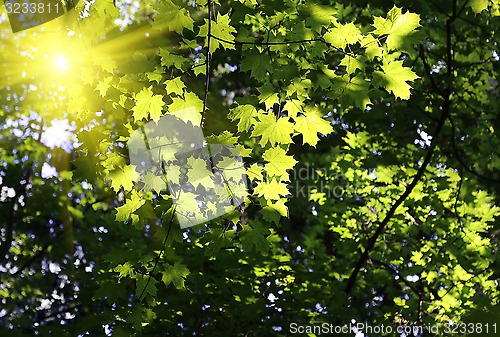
[310, 125]
[393, 78]
[147, 105]
[273, 131]
[245, 113]
[342, 35]
[397, 26]
[278, 163]
[172, 17]
[271, 190]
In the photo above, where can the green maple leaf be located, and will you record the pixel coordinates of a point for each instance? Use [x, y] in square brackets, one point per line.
[174, 174]
[153, 182]
[398, 27]
[232, 170]
[319, 16]
[268, 96]
[123, 177]
[172, 17]
[278, 163]
[169, 59]
[104, 60]
[310, 125]
[148, 105]
[257, 63]
[478, 5]
[300, 88]
[136, 68]
[186, 203]
[78, 107]
[198, 173]
[372, 47]
[163, 149]
[109, 289]
[175, 274]
[254, 172]
[244, 151]
[393, 78]
[222, 29]
[155, 76]
[351, 91]
[237, 189]
[272, 130]
[175, 86]
[342, 35]
[146, 284]
[274, 211]
[353, 63]
[293, 106]
[187, 109]
[103, 86]
[131, 205]
[225, 137]
[124, 269]
[254, 238]
[271, 190]
[245, 113]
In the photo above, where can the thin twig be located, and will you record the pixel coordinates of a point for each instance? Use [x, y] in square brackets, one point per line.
[428, 70]
[279, 43]
[267, 43]
[150, 274]
[461, 161]
[207, 62]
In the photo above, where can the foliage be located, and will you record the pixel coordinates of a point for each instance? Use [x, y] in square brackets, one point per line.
[368, 133]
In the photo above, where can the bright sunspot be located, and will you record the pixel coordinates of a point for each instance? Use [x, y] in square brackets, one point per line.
[61, 63]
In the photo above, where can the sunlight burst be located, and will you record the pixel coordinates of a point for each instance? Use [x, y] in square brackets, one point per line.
[61, 63]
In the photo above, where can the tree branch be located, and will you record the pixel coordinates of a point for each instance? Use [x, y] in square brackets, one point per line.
[280, 43]
[428, 70]
[396, 272]
[157, 260]
[373, 239]
[207, 61]
[461, 161]
[267, 43]
[439, 127]
[35, 257]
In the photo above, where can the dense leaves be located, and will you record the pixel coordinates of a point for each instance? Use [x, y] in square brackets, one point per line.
[235, 168]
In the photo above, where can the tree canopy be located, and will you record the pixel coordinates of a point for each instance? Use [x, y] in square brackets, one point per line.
[251, 168]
